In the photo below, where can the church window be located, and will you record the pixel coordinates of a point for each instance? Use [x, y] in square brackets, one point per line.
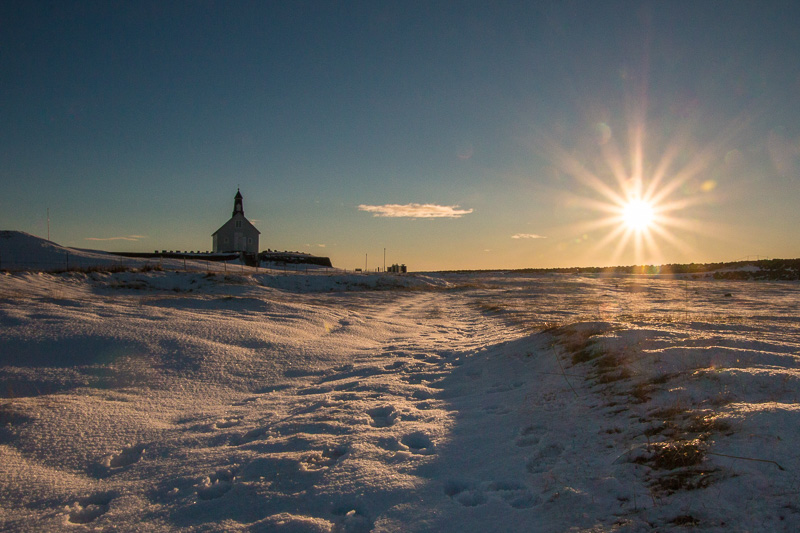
[238, 223]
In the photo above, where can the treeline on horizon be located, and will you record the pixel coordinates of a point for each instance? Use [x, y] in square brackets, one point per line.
[774, 269]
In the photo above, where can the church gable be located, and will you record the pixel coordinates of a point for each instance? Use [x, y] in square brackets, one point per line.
[238, 223]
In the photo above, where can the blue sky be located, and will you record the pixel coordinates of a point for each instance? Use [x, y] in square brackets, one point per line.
[453, 134]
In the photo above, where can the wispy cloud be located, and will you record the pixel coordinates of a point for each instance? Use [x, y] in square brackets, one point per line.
[416, 210]
[133, 238]
[527, 236]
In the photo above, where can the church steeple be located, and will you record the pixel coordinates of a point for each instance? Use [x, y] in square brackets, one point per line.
[237, 204]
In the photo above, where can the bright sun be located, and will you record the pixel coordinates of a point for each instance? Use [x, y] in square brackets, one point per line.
[642, 196]
[638, 215]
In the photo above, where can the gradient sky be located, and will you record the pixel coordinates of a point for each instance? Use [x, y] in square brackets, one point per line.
[456, 135]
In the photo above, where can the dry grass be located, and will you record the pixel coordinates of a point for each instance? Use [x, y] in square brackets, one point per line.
[685, 479]
[675, 454]
[677, 434]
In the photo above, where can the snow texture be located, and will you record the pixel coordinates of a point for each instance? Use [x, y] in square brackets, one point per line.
[164, 401]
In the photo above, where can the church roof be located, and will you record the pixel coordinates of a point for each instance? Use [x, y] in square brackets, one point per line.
[245, 224]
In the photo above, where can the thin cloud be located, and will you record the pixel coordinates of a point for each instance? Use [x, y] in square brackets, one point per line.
[133, 238]
[415, 210]
[527, 236]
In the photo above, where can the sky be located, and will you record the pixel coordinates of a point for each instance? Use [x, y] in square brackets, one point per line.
[452, 135]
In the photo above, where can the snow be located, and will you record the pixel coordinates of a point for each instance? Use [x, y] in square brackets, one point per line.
[264, 401]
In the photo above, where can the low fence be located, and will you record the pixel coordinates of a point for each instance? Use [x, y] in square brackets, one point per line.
[78, 263]
[57, 263]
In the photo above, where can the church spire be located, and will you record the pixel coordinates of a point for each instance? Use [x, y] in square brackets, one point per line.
[237, 204]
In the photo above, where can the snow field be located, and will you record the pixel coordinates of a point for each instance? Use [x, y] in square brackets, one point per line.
[164, 401]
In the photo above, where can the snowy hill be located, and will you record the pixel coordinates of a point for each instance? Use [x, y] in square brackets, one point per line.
[20, 250]
[185, 401]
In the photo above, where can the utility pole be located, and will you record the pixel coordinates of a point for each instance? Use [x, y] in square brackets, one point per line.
[48, 223]
[384, 260]
[365, 262]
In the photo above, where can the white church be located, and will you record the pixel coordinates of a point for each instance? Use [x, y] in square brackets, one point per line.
[238, 234]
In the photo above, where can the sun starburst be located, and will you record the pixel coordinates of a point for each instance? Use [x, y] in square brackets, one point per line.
[644, 198]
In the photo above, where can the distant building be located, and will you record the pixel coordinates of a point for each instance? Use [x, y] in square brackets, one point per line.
[237, 234]
[397, 269]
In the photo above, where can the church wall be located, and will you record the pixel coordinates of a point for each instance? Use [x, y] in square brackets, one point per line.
[232, 239]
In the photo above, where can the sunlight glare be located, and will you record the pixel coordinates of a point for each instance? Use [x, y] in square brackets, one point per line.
[638, 215]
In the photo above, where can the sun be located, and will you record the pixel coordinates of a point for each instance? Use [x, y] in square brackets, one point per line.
[638, 215]
[637, 203]
[639, 185]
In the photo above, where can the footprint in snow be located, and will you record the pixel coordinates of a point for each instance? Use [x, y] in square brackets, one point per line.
[514, 494]
[469, 494]
[265, 390]
[465, 494]
[497, 409]
[417, 366]
[89, 509]
[418, 443]
[346, 397]
[504, 387]
[249, 436]
[321, 460]
[414, 379]
[246, 401]
[228, 422]
[348, 385]
[391, 444]
[383, 416]
[216, 485]
[529, 436]
[544, 458]
[126, 457]
[426, 405]
[422, 394]
[325, 389]
[351, 519]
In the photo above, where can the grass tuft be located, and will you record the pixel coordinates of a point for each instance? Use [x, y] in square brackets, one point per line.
[675, 454]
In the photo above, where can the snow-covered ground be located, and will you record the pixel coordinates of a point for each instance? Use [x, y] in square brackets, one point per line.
[162, 401]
